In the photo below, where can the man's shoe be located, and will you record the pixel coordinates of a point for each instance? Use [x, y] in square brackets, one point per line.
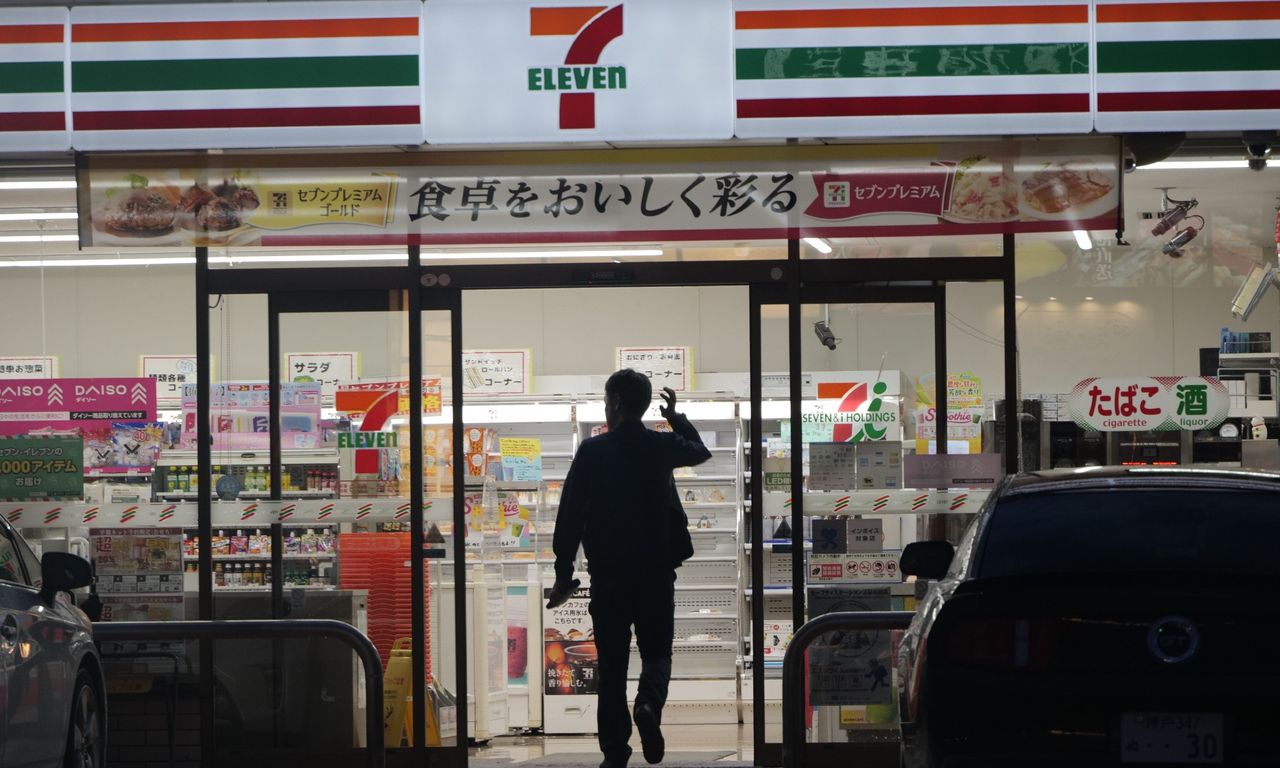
[616, 761]
[650, 734]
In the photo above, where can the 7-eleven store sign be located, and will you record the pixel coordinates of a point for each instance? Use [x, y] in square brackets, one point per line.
[379, 402]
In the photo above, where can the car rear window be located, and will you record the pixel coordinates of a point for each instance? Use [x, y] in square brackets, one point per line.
[1133, 530]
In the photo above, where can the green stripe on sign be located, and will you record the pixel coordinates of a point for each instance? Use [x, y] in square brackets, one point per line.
[1189, 56]
[913, 61]
[232, 74]
[31, 77]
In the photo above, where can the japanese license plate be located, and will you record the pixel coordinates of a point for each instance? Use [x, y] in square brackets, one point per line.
[1171, 737]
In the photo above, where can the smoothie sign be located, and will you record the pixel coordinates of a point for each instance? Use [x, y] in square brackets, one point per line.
[1142, 404]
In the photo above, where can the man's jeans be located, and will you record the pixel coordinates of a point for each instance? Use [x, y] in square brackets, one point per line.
[646, 601]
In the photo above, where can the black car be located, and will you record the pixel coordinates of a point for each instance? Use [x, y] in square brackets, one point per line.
[1103, 616]
[52, 710]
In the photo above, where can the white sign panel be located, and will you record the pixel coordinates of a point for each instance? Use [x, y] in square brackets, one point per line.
[570, 70]
[28, 367]
[170, 373]
[977, 470]
[880, 567]
[327, 368]
[1142, 404]
[497, 371]
[666, 366]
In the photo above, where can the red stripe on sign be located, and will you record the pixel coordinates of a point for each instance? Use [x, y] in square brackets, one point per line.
[907, 106]
[15, 34]
[245, 118]
[1151, 12]
[1195, 101]
[912, 17]
[242, 30]
[32, 121]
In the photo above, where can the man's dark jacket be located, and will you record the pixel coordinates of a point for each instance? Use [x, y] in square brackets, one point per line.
[620, 501]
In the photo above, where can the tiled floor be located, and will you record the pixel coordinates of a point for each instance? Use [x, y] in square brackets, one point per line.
[734, 739]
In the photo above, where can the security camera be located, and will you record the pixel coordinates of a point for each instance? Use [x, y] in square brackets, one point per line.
[1174, 247]
[1257, 147]
[1171, 212]
[823, 331]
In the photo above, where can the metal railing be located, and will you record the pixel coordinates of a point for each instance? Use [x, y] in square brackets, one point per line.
[299, 629]
[793, 668]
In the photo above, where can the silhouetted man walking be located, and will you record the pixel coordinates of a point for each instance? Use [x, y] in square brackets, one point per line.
[619, 501]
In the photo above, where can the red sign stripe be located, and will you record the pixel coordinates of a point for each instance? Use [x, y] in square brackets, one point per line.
[129, 32]
[976, 15]
[13, 34]
[1178, 101]
[245, 118]
[32, 121]
[1152, 12]
[866, 106]
[561, 21]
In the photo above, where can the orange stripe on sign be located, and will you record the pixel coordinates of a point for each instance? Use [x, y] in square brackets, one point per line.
[1147, 12]
[913, 17]
[31, 33]
[561, 21]
[242, 30]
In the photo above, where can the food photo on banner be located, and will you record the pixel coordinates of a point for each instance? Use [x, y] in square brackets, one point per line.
[569, 657]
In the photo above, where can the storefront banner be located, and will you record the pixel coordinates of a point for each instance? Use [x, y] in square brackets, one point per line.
[949, 67]
[193, 76]
[171, 372]
[670, 367]
[577, 70]
[1143, 404]
[964, 390]
[962, 423]
[33, 99]
[497, 371]
[240, 416]
[41, 468]
[28, 406]
[327, 368]
[1187, 65]
[28, 368]
[950, 189]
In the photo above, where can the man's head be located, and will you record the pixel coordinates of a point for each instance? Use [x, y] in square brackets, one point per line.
[627, 395]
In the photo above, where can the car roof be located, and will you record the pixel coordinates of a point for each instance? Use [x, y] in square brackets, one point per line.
[1101, 478]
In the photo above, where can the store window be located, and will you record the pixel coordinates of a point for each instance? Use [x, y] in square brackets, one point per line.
[1091, 305]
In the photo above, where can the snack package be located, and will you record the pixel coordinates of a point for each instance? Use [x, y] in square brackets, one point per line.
[137, 444]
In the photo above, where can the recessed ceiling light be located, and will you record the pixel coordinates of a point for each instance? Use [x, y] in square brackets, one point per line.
[818, 244]
[1053, 298]
[1088, 298]
[1018, 296]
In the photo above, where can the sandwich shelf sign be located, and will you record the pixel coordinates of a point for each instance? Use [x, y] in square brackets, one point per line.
[945, 189]
[1143, 404]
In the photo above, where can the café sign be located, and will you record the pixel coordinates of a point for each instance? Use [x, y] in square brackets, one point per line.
[1144, 404]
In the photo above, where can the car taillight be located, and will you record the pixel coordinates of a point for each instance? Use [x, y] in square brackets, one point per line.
[1002, 643]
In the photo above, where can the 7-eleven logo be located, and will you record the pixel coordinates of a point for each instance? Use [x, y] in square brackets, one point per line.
[592, 28]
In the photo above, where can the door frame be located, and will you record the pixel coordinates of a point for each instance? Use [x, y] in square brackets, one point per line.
[792, 281]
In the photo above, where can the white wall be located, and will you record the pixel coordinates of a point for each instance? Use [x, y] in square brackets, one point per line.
[99, 320]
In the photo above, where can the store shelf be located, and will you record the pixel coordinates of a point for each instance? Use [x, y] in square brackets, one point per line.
[287, 588]
[687, 480]
[707, 531]
[117, 472]
[706, 587]
[251, 495]
[712, 559]
[770, 592]
[694, 616]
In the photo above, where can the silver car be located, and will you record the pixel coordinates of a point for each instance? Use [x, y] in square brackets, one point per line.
[52, 704]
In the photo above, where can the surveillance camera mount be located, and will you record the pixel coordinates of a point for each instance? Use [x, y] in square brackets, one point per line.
[1172, 211]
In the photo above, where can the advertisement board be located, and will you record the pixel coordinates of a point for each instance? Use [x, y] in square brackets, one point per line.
[1149, 403]
[922, 189]
[74, 406]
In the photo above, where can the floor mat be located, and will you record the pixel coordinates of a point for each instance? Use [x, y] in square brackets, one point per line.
[564, 759]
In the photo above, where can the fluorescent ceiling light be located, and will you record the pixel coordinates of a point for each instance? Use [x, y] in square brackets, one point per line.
[1082, 239]
[39, 216]
[613, 253]
[818, 244]
[39, 238]
[122, 262]
[267, 258]
[59, 184]
[1193, 165]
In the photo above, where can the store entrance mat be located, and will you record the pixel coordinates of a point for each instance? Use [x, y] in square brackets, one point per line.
[592, 759]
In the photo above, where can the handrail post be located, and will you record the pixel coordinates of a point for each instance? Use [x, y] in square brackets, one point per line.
[793, 666]
[296, 629]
